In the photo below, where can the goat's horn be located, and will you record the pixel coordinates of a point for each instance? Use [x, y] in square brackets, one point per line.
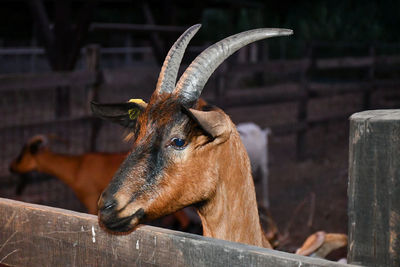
[192, 81]
[169, 71]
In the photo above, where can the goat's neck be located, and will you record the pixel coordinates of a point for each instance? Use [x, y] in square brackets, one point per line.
[64, 167]
[232, 213]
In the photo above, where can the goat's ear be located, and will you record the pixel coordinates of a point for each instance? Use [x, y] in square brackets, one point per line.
[214, 123]
[124, 114]
[35, 146]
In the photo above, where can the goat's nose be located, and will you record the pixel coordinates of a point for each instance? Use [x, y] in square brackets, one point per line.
[107, 202]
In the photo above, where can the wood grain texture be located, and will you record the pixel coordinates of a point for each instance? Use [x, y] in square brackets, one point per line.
[374, 188]
[42, 81]
[34, 235]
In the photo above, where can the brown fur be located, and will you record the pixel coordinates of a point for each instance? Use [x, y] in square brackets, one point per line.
[212, 174]
[320, 244]
[87, 175]
[228, 210]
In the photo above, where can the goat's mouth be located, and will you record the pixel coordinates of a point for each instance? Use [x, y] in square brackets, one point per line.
[125, 224]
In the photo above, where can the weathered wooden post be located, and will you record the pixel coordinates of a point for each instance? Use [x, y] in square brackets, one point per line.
[374, 188]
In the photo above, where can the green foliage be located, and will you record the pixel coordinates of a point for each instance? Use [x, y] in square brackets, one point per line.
[250, 19]
[217, 22]
[336, 21]
[344, 21]
[340, 21]
[323, 20]
[312, 20]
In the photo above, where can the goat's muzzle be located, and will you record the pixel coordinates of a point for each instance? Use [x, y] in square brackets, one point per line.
[109, 215]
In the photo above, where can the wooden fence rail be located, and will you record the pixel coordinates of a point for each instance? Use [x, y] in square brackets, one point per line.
[308, 88]
[34, 235]
[97, 26]
[298, 65]
[11, 82]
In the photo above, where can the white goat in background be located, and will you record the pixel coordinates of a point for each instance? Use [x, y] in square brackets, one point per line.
[255, 140]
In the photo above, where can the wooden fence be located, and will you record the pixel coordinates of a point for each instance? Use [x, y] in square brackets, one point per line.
[310, 86]
[228, 94]
[34, 235]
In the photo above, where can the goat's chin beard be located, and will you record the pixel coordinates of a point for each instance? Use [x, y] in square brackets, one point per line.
[124, 225]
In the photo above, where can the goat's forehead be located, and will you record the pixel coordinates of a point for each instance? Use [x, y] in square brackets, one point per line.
[159, 118]
[163, 112]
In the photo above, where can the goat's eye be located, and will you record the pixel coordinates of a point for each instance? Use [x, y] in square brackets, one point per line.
[178, 143]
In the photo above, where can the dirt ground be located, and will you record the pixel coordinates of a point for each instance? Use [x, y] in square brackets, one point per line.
[310, 195]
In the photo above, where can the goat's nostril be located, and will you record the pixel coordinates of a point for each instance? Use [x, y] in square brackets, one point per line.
[109, 204]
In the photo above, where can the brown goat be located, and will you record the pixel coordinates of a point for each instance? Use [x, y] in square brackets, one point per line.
[87, 174]
[185, 153]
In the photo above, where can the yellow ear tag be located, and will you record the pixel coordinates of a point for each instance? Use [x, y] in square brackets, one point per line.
[134, 112]
[137, 101]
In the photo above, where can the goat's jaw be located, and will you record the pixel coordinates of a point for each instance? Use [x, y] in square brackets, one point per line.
[114, 223]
